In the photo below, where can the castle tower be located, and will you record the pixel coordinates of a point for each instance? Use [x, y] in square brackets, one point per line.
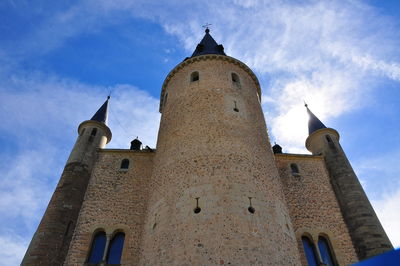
[216, 196]
[368, 236]
[51, 240]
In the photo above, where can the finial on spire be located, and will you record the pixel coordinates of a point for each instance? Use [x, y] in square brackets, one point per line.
[208, 45]
[206, 26]
[305, 104]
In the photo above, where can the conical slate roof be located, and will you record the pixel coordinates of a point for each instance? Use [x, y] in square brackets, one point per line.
[208, 46]
[313, 123]
[102, 114]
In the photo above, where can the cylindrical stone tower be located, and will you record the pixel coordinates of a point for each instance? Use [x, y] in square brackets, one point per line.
[216, 196]
[51, 240]
[368, 237]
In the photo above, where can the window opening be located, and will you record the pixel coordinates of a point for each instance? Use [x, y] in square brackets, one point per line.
[235, 108]
[309, 251]
[251, 208]
[125, 164]
[97, 249]
[194, 76]
[235, 78]
[94, 131]
[294, 168]
[67, 231]
[325, 251]
[197, 209]
[115, 250]
[328, 138]
[165, 99]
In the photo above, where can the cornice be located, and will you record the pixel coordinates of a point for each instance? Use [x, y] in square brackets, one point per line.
[205, 58]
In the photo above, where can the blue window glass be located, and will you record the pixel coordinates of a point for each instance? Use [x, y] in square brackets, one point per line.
[115, 250]
[325, 251]
[309, 250]
[97, 250]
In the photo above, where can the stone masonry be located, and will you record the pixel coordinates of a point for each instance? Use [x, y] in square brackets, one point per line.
[313, 207]
[213, 192]
[368, 236]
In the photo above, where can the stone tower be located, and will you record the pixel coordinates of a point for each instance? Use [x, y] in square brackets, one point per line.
[50, 243]
[216, 196]
[368, 237]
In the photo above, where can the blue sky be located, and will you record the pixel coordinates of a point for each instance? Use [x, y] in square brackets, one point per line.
[60, 59]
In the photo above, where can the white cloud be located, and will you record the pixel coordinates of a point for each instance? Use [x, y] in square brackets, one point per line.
[388, 211]
[42, 115]
[325, 52]
[12, 249]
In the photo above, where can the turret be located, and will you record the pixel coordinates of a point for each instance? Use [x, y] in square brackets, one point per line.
[368, 236]
[216, 197]
[50, 242]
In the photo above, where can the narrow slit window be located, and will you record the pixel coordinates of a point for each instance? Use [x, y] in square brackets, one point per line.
[125, 164]
[68, 229]
[194, 76]
[309, 251]
[165, 99]
[325, 251]
[115, 249]
[294, 168]
[97, 248]
[94, 132]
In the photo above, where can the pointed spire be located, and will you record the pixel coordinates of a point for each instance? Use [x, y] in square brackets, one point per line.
[313, 123]
[208, 46]
[102, 114]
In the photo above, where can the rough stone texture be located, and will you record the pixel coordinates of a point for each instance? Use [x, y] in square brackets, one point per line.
[367, 233]
[50, 243]
[115, 201]
[313, 207]
[207, 150]
[213, 153]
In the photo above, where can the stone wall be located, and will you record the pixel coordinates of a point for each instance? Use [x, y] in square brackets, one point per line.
[313, 207]
[368, 236]
[115, 201]
[50, 242]
[210, 150]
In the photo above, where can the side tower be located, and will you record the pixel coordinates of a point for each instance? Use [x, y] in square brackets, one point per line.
[216, 197]
[51, 240]
[368, 236]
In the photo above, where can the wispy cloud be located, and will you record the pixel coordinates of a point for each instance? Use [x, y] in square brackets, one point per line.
[388, 211]
[42, 115]
[329, 53]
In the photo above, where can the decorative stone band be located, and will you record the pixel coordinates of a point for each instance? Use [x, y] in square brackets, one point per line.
[208, 57]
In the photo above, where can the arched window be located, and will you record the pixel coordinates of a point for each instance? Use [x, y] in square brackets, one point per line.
[97, 249]
[294, 168]
[235, 79]
[125, 164]
[309, 251]
[325, 251]
[94, 131]
[115, 249]
[194, 76]
[328, 139]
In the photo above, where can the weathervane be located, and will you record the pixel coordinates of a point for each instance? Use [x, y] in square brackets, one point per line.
[206, 26]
